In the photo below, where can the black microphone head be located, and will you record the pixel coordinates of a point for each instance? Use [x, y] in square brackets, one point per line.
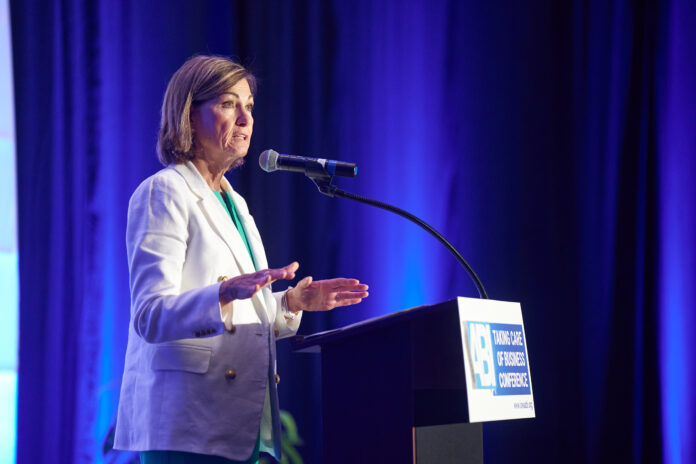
[268, 160]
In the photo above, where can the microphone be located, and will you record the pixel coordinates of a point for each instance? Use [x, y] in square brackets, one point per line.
[271, 160]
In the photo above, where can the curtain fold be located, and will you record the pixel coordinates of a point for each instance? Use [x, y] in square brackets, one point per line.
[59, 350]
[615, 58]
[676, 218]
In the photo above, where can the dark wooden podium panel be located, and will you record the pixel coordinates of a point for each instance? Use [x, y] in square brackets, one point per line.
[394, 390]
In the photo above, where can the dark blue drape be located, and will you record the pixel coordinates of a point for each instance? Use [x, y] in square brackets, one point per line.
[676, 165]
[552, 142]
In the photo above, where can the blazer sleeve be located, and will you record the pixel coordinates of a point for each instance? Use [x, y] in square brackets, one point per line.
[285, 328]
[156, 239]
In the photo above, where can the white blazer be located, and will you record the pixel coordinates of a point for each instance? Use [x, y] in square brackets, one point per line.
[189, 384]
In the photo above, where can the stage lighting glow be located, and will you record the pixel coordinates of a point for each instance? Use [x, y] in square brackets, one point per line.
[9, 285]
[677, 266]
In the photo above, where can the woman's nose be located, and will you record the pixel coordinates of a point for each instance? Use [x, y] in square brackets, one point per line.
[243, 118]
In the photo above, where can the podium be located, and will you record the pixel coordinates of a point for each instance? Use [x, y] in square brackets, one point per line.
[394, 389]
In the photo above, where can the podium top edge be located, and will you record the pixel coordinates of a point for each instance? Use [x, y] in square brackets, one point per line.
[312, 343]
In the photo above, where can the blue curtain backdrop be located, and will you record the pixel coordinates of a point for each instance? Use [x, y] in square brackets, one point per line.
[552, 142]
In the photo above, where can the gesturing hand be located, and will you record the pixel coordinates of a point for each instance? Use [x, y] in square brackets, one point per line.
[324, 295]
[247, 285]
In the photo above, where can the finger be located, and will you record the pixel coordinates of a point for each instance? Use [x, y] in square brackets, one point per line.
[274, 274]
[262, 279]
[340, 284]
[351, 288]
[340, 281]
[269, 280]
[347, 302]
[285, 272]
[304, 283]
[291, 269]
[343, 296]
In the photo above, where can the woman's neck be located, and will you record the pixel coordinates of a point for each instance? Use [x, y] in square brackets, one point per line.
[212, 173]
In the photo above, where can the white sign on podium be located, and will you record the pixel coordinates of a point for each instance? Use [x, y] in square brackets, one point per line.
[498, 381]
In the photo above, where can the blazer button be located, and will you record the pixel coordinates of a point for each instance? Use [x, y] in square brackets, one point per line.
[232, 329]
[276, 332]
[222, 278]
[230, 374]
[277, 379]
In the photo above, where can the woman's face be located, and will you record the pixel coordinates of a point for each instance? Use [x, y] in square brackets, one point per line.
[222, 126]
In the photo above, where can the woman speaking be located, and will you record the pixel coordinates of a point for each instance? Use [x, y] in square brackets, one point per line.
[199, 383]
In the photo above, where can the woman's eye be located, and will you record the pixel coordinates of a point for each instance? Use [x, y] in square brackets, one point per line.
[227, 104]
[250, 108]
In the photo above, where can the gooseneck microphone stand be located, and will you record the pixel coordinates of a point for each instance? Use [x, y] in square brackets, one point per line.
[323, 181]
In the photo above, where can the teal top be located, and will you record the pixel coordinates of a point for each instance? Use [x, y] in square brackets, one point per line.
[181, 457]
[228, 204]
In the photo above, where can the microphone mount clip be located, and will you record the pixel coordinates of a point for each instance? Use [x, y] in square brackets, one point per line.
[324, 183]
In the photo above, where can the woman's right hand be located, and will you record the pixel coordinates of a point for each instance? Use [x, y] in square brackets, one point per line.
[247, 285]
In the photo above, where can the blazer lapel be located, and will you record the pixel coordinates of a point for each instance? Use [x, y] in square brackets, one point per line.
[217, 216]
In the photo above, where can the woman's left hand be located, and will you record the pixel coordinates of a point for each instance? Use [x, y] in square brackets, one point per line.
[324, 295]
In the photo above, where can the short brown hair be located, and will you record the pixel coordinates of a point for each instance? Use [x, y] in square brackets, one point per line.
[198, 80]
